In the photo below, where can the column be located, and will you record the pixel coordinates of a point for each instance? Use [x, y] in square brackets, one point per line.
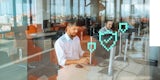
[95, 9]
[14, 13]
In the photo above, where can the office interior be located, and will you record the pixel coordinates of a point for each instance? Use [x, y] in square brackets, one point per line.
[29, 29]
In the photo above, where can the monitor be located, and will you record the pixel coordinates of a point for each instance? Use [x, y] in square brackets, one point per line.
[46, 25]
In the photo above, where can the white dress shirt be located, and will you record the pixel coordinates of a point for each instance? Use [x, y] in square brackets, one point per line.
[104, 29]
[67, 49]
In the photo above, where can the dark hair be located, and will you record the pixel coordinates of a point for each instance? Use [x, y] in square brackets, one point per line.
[108, 21]
[74, 23]
[71, 23]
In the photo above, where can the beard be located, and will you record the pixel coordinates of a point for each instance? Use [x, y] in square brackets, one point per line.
[73, 35]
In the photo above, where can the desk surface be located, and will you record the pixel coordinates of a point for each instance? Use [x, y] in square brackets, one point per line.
[70, 72]
[38, 35]
[131, 71]
[2, 32]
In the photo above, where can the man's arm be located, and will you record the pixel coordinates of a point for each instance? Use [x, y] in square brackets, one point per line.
[87, 54]
[83, 60]
[60, 53]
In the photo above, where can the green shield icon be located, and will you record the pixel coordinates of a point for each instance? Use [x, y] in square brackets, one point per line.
[91, 46]
[123, 27]
[108, 39]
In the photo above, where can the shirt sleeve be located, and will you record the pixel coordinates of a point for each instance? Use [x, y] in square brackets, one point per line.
[102, 30]
[80, 48]
[60, 53]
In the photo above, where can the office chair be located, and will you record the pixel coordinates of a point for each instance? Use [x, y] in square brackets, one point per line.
[31, 47]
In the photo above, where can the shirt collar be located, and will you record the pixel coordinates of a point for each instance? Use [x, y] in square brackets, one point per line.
[67, 36]
[107, 28]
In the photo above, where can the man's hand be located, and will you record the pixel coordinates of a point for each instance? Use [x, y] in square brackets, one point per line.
[87, 54]
[83, 60]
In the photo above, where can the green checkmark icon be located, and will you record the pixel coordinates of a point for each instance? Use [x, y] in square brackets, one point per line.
[106, 41]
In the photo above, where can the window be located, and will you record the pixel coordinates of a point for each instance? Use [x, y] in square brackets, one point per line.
[82, 6]
[75, 7]
[88, 8]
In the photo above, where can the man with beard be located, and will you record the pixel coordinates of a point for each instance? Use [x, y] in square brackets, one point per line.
[108, 26]
[68, 48]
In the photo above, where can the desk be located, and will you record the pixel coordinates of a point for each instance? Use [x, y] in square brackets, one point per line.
[3, 33]
[70, 72]
[39, 35]
[40, 40]
[131, 71]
